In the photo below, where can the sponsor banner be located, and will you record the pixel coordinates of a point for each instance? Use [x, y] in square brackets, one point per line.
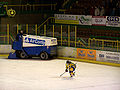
[107, 56]
[73, 19]
[85, 20]
[67, 52]
[65, 17]
[99, 20]
[113, 21]
[86, 54]
[67, 21]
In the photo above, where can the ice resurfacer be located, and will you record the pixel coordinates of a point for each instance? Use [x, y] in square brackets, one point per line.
[34, 46]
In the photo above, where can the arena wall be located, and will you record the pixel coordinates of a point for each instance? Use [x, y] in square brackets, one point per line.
[79, 54]
[88, 55]
[5, 49]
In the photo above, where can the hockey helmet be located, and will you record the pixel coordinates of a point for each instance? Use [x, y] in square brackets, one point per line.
[68, 61]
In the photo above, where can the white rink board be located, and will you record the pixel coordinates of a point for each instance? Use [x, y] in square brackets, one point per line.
[67, 52]
[5, 48]
[32, 40]
[107, 56]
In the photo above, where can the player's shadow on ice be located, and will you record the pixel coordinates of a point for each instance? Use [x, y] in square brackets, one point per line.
[67, 78]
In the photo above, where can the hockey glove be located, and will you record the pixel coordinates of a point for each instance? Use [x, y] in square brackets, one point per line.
[66, 70]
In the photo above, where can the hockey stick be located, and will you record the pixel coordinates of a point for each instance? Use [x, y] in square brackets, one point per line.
[62, 74]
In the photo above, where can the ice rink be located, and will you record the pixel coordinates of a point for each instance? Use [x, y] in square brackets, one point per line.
[35, 74]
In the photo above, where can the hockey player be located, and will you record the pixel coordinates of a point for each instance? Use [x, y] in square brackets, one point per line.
[70, 67]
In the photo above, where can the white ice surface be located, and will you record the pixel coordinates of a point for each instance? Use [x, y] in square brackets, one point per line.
[36, 74]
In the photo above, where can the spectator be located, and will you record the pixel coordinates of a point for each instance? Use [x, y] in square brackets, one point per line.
[86, 11]
[19, 35]
[118, 3]
[102, 12]
[110, 6]
[97, 11]
[92, 10]
[107, 11]
[103, 3]
[118, 10]
[113, 12]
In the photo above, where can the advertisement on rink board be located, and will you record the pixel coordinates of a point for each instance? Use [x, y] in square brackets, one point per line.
[113, 21]
[99, 20]
[107, 56]
[86, 54]
[73, 19]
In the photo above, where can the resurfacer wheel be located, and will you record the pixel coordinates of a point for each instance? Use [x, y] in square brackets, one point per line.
[22, 55]
[44, 56]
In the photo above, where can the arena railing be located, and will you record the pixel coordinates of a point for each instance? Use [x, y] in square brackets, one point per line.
[66, 35]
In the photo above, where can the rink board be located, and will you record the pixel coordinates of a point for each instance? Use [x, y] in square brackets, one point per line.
[5, 48]
[88, 55]
[107, 56]
[75, 59]
[71, 53]
[90, 61]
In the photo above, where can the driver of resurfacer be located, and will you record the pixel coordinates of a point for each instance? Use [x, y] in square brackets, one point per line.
[19, 35]
[71, 67]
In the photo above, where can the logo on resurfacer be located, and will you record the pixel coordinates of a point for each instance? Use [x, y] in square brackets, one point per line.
[34, 41]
